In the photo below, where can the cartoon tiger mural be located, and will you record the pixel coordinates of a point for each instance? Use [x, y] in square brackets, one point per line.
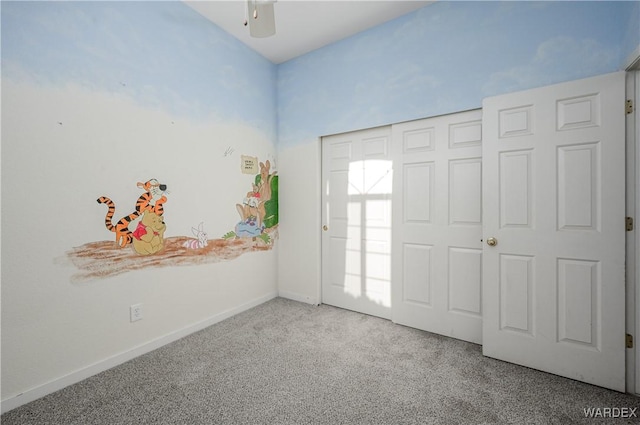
[154, 191]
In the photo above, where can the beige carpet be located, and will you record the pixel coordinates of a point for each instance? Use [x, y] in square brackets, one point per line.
[285, 362]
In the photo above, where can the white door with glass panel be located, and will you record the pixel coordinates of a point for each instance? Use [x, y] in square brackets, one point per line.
[553, 216]
[356, 215]
[437, 225]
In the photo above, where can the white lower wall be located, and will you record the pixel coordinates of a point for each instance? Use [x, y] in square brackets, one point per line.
[119, 358]
[300, 244]
[62, 148]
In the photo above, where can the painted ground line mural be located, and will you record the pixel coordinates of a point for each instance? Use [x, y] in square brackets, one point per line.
[139, 237]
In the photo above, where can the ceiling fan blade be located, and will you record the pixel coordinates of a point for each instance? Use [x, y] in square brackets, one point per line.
[264, 23]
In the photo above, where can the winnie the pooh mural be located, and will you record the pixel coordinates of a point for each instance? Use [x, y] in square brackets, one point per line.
[148, 238]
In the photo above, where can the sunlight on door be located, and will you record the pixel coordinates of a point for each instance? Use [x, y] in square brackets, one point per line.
[356, 240]
[367, 260]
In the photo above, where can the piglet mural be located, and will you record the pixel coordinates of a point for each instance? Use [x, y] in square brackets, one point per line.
[201, 240]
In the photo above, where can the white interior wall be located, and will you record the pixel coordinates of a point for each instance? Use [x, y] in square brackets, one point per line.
[299, 247]
[63, 147]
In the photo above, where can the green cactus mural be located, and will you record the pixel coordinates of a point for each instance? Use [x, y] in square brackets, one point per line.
[270, 206]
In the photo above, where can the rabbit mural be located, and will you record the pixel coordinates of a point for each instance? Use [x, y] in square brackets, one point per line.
[250, 207]
[201, 238]
[259, 209]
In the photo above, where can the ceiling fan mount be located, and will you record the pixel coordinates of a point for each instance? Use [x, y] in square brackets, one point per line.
[260, 18]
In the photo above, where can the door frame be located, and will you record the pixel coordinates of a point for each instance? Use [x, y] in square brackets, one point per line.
[634, 259]
[632, 210]
[633, 237]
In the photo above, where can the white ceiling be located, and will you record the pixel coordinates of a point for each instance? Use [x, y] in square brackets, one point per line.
[304, 25]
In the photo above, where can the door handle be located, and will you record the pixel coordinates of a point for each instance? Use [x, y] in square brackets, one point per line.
[325, 227]
[492, 242]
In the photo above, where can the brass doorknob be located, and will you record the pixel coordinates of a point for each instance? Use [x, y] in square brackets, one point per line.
[325, 227]
[492, 242]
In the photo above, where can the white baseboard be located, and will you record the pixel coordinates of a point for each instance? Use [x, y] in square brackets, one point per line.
[298, 297]
[108, 363]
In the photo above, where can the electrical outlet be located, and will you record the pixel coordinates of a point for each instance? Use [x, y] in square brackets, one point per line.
[135, 312]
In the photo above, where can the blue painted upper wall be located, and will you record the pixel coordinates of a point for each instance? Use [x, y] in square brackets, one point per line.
[447, 57]
[161, 53]
[632, 37]
[443, 58]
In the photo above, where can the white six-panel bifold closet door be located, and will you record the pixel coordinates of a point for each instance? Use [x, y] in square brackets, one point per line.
[499, 226]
